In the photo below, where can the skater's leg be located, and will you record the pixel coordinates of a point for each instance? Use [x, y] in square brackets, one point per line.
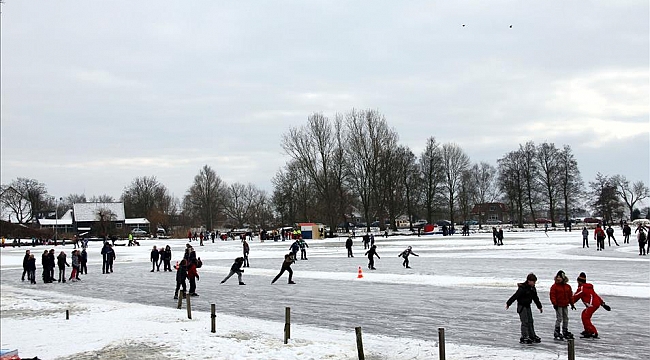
[278, 275]
[231, 273]
[558, 317]
[524, 316]
[239, 277]
[290, 274]
[586, 320]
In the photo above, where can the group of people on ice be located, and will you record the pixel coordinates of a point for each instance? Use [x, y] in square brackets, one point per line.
[562, 297]
[50, 262]
[600, 234]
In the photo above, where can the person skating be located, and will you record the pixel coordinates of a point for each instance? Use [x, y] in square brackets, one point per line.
[246, 249]
[192, 273]
[74, 274]
[303, 249]
[46, 267]
[561, 296]
[286, 266]
[348, 246]
[592, 301]
[525, 295]
[495, 235]
[599, 236]
[627, 231]
[405, 254]
[371, 257]
[642, 239]
[51, 261]
[31, 269]
[111, 258]
[154, 257]
[610, 236]
[105, 251]
[25, 261]
[62, 262]
[181, 275]
[236, 269]
[585, 237]
[295, 246]
[500, 237]
[83, 261]
[167, 258]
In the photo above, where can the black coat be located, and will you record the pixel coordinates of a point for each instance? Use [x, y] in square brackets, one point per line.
[31, 264]
[181, 273]
[525, 295]
[25, 260]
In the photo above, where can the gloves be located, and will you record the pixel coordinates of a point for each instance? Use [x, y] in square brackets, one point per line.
[197, 277]
[555, 307]
[606, 307]
[573, 307]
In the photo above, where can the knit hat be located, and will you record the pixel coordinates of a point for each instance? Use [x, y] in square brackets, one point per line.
[531, 277]
[582, 277]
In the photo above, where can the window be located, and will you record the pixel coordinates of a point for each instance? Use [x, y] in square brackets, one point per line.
[118, 225]
[493, 208]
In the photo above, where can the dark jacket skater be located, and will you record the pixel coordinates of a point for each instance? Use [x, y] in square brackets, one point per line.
[83, 261]
[154, 257]
[25, 260]
[286, 266]
[294, 248]
[62, 262]
[31, 269]
[51, 263]
[371, 257]
[303, 249]
[610, 236]
[111, 258]
[46, 267]
[236, 269]
[246, 249]
[192, 273]
[405, 254]
[167, 258]
[105, 254]
[525, 295]
[181, 275]
[348, 245]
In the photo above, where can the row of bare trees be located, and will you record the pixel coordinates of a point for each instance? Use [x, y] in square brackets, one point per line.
[353, 163]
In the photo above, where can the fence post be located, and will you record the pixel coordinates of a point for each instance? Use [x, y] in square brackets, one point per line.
[213, 317]
[287, 324]
[180, 300]
[357, 331]
[67, 314]
[189, 307]
[441, 343]
[571, 349]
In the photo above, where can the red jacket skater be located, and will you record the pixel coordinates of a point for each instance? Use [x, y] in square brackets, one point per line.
[561, 295]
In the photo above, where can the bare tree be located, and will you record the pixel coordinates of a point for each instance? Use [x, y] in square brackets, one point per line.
[571, 186]
[466, 194]
[147, 197]
[101, 199]
[630, 193]
[432, 176]
[241, 202]
[484, 177]
[548, 160]
[512, 183]
[605, 197]
[531, 176]
[204, 197]
[105, 218]
[24, 198]
[454, 163]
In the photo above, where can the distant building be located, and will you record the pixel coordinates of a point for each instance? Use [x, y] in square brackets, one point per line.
[494, 212]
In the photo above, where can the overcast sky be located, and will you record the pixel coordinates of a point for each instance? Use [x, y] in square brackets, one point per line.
[96, 93]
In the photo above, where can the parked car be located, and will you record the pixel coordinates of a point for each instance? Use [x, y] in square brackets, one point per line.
[493, 222]
[443, 223]
[590, 220]
[543, 221]
[138, 232]
[471, 222]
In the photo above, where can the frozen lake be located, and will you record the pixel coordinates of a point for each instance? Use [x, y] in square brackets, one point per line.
[459, 283]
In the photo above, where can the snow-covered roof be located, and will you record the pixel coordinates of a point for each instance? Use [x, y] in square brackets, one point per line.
[136, 221]
[88, 211]
[66, 219]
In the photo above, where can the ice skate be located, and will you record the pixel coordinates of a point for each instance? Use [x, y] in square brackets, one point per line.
[241, 283]
[567, 334]
[557, 335]
[525, 340]
[537, 339]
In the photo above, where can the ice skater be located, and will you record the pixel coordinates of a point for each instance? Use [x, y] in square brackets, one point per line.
[405, 254]
[592, 301]
[236, 269]
[371, 257]
[246, 249]
[348, 246]
[585, 237]
[599, 236]
[303, 249]
[561, 296]
[181, 275]
[525, 295]
[610, 236]
[642, 238]
[286, 266]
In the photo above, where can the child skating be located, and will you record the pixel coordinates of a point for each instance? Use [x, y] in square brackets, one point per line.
[525, 295]
[371, 257]
[236, 269]
[405, 254]
[286, 266]
[592, 301]
[561, 297]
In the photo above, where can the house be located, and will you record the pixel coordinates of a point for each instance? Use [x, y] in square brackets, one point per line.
[100, 219]
[138, 223]
[492, 212]
[63, 225]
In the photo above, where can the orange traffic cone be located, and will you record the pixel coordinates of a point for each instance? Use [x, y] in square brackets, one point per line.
[360, 275]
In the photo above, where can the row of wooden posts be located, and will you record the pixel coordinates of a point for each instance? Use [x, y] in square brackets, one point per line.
[357, 330]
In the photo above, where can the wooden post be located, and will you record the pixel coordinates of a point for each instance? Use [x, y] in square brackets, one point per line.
[189, 307]
[67, 314]
[287, 324]
[180, 300]
[572, 349]
[441, 343]
[357, 330]
[213, 317]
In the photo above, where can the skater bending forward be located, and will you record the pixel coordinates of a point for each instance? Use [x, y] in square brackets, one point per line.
[236, 269]
[286, 266]
[561, 297]
[371, 257]
[525, 295]
[592, 301]
[405, 254]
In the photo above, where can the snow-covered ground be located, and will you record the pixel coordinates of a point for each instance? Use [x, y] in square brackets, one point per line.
[457, 283]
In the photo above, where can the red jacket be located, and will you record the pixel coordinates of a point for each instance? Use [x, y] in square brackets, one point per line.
[588, 296]
[599, 233]
[561, 295]
[191, 270]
